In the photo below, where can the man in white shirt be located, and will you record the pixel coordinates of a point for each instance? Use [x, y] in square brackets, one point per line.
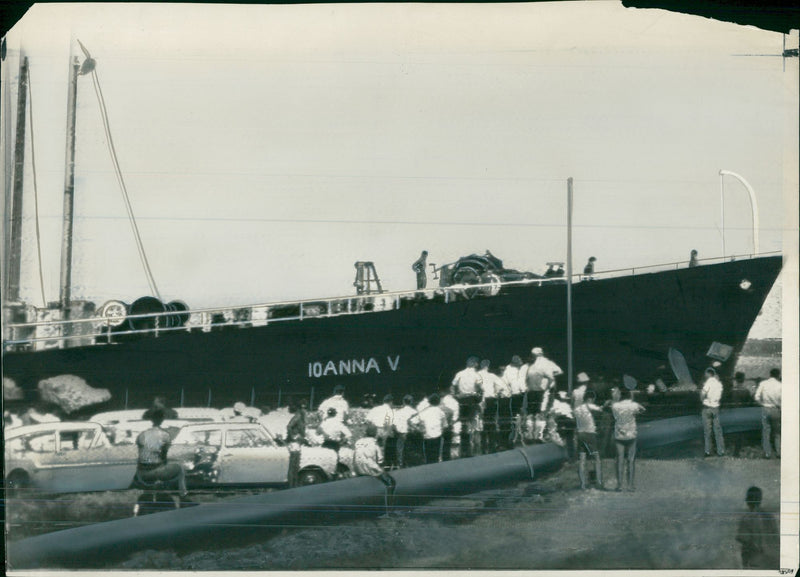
[768, 395]
[433, 422]
[467, 387]
[492, 384]
[338, 402]
[540, 380]
[401, 417]
[382, 417]
[710, 396]
[514, 376]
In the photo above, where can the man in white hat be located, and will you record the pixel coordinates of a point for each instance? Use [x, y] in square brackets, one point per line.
[540, 379]
[579, 391]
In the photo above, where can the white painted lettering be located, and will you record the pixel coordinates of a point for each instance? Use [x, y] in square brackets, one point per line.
[330, 367]
[373, 364]
[318, 369]
[358, 365]
[344, 367]
[394, 364]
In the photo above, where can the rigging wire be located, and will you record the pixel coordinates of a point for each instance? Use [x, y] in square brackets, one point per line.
[120, 180]
[35, 188]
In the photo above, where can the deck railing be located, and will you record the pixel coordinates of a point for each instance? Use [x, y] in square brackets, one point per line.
[100, 330]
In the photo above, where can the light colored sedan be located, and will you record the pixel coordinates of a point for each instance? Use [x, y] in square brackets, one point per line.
[246, 454]
[66, 457]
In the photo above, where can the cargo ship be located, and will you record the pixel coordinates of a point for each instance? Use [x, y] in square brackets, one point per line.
[624, 322]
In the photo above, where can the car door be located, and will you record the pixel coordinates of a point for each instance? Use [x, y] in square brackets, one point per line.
[83, 461]
[249, 456]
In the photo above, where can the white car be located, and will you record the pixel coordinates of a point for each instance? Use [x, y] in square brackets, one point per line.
[246, 454]
[66, 457]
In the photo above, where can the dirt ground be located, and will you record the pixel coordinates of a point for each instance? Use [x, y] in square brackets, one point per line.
[683, 515]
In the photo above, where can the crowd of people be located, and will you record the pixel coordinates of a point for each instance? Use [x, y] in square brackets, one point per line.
[481, 411]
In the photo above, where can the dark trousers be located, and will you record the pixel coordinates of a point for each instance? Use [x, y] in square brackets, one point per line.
[432, 450]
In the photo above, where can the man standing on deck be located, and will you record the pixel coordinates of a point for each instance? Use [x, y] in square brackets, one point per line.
[710, 396]
[588, 270]
[768, 395]
[419, 268]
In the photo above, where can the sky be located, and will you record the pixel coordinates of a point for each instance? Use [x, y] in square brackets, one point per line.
[266, 149]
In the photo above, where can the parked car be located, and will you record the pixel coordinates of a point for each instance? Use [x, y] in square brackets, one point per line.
[75, 457]
[66, 457]
[247, 454]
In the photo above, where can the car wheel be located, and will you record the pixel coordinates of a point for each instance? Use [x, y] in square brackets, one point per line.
[310, 477]
[17, 481]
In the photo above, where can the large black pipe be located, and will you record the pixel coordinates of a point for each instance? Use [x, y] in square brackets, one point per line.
[238, 521]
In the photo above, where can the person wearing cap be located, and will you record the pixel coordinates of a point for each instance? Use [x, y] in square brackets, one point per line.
[336, 401]
[334, 432]
[401, 417]
[710, 396]
[540, 379]
[693, 259]
[768, 395]
[382, 417]
[625, 435]
[579, 391]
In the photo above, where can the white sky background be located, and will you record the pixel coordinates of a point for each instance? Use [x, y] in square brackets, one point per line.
[268, 148]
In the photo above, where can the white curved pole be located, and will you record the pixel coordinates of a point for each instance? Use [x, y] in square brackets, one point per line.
[753, 208]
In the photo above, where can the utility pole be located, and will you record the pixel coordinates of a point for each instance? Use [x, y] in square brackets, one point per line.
[569, 285]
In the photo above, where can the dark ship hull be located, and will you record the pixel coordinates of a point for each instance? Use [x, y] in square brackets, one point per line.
[623, 325]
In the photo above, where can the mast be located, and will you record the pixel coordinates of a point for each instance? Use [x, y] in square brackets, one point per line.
[69, 195]
[14, 239]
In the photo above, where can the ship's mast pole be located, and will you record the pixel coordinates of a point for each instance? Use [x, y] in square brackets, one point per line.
[569, 285]
[69, 195]
[14, 242]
